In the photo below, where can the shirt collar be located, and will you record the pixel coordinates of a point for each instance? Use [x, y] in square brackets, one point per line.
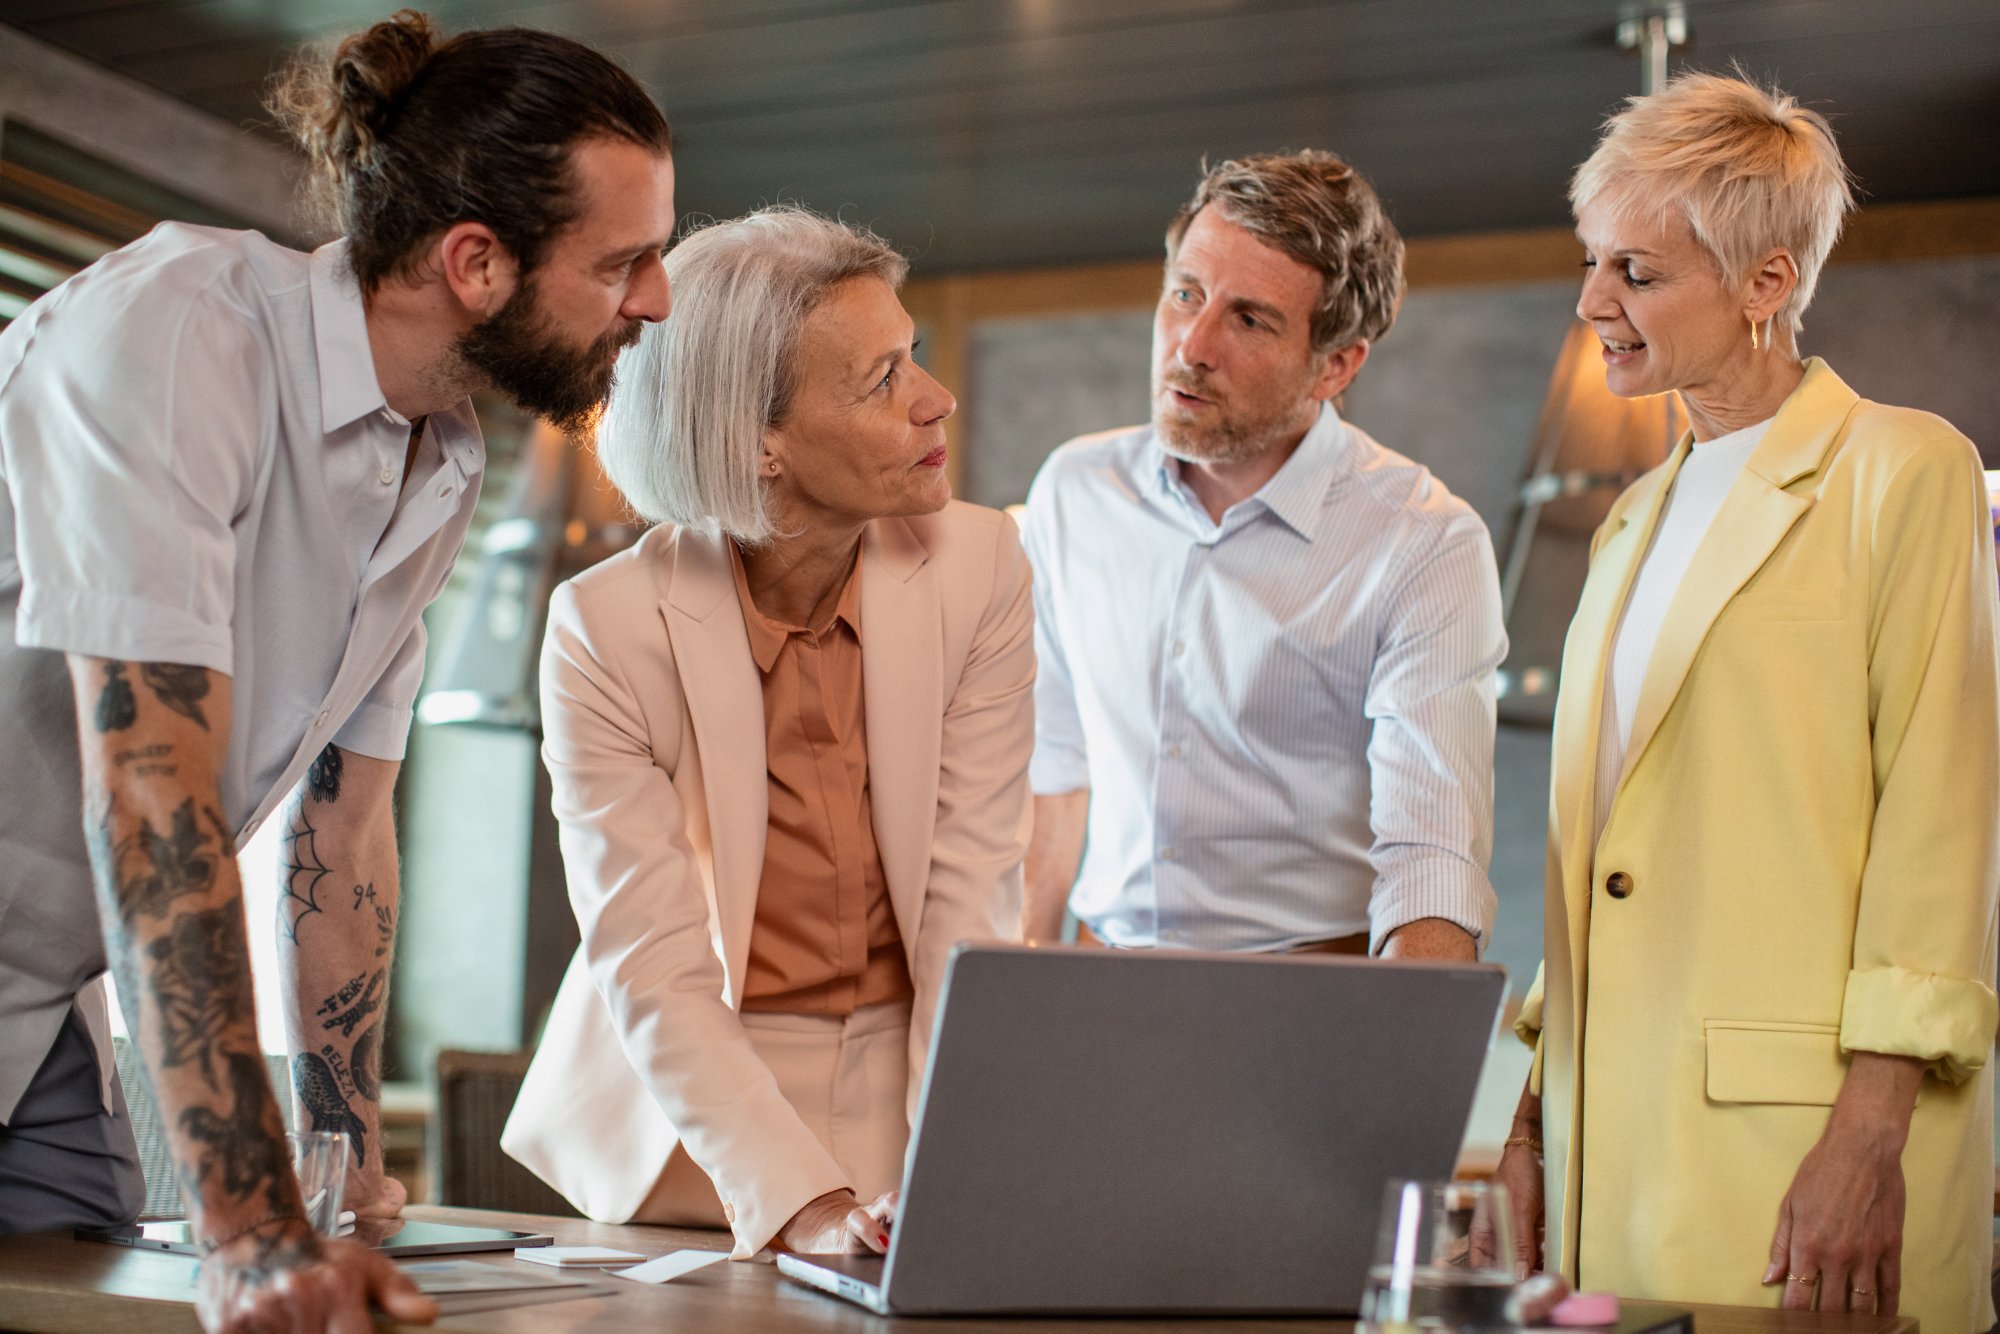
[767, 637]
[1295, 493]
[348, 389]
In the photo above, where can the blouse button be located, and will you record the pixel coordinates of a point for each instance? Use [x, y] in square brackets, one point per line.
[1618, 885]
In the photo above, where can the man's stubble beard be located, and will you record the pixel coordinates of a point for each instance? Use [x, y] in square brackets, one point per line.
[1230, 437]
[520, 353]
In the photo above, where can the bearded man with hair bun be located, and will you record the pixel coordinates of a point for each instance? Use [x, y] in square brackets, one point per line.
[232, 476]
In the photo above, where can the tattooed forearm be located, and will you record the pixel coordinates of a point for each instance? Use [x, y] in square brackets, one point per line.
[320, 1096]
[323, 778]
[117, 709]
[353, 1003]
[366, 1065]
[241, 1150]
[150, 870]
[201, 978]
[180, 688]
[303, 871]
[147, 761]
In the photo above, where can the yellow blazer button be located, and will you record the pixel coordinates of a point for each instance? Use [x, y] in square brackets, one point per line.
[1618, 884]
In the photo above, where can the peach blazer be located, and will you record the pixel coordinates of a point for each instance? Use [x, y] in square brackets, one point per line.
[655, 744]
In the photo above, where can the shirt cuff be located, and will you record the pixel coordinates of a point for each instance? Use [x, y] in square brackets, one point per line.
[107, 625]
[1055, 769]
[1435, 886]
[379, 731]
[1947, 1021]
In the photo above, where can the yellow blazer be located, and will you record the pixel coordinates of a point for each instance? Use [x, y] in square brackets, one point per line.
[654, 727]
[1807, 823]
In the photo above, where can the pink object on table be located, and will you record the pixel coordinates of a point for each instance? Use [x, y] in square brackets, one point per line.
[1581, 1309]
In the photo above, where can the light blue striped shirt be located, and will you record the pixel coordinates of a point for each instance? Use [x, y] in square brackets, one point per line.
[1285, 719]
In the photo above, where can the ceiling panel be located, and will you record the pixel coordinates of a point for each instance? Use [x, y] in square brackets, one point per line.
[989, 133]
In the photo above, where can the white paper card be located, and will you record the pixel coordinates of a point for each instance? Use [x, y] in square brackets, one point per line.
[578, 1256]
[671, 1266]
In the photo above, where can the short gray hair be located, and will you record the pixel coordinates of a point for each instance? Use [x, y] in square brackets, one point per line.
[1748, 167]
[682, 433]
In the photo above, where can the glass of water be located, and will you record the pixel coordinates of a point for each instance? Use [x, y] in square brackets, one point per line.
[1443, 1257]
[320, 1159]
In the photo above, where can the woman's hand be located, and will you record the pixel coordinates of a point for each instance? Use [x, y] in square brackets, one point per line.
[1520, 1171]
[836, 1224]
[1840, 1226]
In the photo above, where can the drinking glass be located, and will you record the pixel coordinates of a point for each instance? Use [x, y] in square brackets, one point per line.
[320, 1159]
[1443, 1257]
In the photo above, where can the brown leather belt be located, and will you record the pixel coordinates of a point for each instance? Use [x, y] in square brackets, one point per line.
[1354, 944]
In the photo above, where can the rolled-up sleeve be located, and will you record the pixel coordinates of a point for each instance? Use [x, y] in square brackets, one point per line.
[1430, 703]
[1922, 978]
[379, 727]
[1061, 761]
[129, 431]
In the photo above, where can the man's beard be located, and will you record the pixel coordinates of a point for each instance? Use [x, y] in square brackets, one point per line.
[519, 352]
[1219, 433]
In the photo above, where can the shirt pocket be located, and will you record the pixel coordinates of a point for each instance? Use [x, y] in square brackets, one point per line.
[1750, 1062]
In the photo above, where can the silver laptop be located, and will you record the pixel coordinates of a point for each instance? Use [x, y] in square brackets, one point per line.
[1167, 1133]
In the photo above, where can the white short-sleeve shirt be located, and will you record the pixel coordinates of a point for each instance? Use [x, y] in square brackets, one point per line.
[197, 466]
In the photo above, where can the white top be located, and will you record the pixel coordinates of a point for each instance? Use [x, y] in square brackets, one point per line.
[1699, 488]
[197, 466]
[1285, 719]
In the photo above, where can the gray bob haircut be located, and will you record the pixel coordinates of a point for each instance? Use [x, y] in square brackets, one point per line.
[1748, 167]
[684, 428]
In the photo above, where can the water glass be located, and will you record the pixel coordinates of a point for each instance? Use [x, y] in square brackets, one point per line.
[1443, 1257]
[320, 1160]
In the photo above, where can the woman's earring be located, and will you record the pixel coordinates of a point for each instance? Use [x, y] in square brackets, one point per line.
[1753, 333]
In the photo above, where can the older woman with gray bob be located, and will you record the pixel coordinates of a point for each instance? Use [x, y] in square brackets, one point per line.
[788, 734]
[1766, 1006]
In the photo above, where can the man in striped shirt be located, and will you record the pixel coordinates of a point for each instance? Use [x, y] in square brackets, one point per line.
[1267, 644]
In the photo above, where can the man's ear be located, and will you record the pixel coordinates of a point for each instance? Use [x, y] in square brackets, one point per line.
[1338, 369]
[480, 271]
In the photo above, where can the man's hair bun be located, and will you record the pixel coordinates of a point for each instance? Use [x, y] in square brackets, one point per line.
[340, 108]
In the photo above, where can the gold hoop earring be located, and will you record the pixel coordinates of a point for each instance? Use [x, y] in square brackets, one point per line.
[1753, 334]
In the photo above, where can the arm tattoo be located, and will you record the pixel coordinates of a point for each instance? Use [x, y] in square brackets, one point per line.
[150, 870]
[179, 688]
[346, 1008]
[303, 872]
[116, 707]
[319, 1095]
[244, 1146]
[366, 1064]
[323, 778]
[200, 979]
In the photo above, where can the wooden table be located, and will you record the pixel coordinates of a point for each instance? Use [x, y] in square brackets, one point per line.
[49, 1281]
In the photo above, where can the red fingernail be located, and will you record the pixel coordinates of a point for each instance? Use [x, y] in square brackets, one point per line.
[882, 1237]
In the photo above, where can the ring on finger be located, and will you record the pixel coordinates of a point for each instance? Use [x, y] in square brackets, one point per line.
[1862, 1292]
[1807, 1280]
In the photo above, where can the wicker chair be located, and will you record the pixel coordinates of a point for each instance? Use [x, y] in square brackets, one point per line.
[163, 1191]
[475, 1092]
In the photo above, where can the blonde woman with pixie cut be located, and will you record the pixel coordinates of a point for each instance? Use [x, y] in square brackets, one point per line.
[788, 739]
[1765, 1010]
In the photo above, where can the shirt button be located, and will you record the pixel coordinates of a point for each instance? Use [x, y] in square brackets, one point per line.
[324, 714]
[387, 476]
[1166, 854]
[1174, 751]
[1180, 647]
[1618, 885]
